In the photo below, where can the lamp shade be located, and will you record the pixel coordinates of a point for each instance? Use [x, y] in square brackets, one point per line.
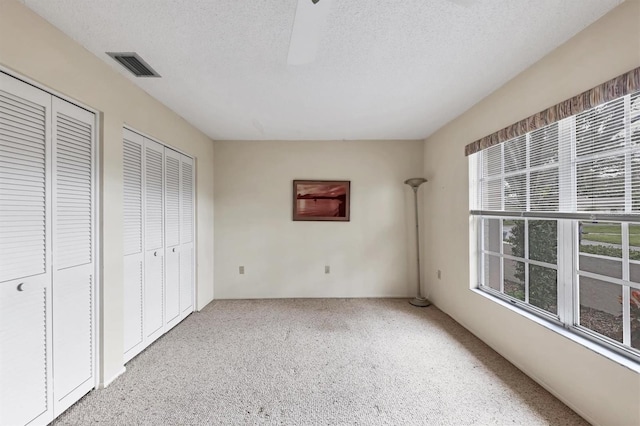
[415, 182]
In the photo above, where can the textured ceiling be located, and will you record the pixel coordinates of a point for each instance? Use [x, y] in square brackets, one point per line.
[394, 69]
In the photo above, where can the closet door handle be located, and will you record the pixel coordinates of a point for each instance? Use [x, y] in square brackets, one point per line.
[173, 249]
[19, 287]
[155, 253]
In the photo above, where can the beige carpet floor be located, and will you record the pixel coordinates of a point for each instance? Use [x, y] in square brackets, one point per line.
[320, 362]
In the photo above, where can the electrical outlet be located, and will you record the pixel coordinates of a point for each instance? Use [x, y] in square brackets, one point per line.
[439, 274]
[327, 269]
[241, 270]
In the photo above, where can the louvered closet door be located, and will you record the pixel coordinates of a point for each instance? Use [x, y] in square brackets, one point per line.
[154, 240]
[25, 255]
[73, 252]
[133, 146]
[187, 281]
[172, 160]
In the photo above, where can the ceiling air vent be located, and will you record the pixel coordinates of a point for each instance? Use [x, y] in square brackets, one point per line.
[134, 63]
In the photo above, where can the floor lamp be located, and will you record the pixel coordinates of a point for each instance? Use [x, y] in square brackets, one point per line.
[414, 183]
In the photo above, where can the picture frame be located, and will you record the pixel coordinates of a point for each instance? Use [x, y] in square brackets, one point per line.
[321, 200]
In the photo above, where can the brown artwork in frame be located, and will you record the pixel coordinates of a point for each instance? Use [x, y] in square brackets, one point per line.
[326, 200]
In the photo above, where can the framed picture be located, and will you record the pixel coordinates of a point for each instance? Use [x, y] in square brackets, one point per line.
[326, 200]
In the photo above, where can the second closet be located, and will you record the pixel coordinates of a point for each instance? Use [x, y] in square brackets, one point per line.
[158, 240]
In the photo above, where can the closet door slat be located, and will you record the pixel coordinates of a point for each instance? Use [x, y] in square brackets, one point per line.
[154, 197]
[132, 196]
[187, 204]
[73, 196]
[20, 191]
[172, 194]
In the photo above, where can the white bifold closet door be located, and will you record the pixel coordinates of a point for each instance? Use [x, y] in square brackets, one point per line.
[178, 236]
[154, 240]
[133, 154]
[158, 240]
[25, 255]
[47, 211]
[186, 236]
[73, 263]
[172, 162]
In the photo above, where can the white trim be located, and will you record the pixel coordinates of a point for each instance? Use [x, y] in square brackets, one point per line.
[106, 383]
[502, 178]
[154, 139]
[97, 250]
[195, 238]
[626, 315]
[502, 255]
[583, 341]
[31, 82]
[565, 274]
[610, 280]
[600, 256]
[520, 304]
[527, 170]
[626, 290]
[97, 199]
[600, 217]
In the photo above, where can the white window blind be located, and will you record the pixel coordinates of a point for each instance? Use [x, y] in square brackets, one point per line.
[587, 163]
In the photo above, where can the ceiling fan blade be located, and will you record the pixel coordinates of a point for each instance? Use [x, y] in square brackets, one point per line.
[307, 30]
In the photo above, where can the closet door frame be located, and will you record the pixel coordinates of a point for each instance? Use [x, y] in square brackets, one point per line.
[97, 216]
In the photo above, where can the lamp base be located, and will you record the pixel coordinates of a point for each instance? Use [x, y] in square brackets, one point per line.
[420, 302]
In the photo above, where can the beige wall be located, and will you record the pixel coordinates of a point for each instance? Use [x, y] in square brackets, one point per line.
[36, 50]
[370, 256]
[603, 391]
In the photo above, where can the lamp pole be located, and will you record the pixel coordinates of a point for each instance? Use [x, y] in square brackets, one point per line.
[415, 183]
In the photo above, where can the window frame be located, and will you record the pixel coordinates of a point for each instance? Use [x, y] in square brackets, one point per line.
[567, 218]
[568, 273]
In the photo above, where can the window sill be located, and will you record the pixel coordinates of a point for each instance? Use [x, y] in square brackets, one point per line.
[594, 347]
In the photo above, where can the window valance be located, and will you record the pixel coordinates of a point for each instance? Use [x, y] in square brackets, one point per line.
[628, 82]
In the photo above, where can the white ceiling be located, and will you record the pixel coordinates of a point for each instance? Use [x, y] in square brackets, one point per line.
[393, 69]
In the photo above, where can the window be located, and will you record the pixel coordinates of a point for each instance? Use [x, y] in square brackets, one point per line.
[557, 214]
